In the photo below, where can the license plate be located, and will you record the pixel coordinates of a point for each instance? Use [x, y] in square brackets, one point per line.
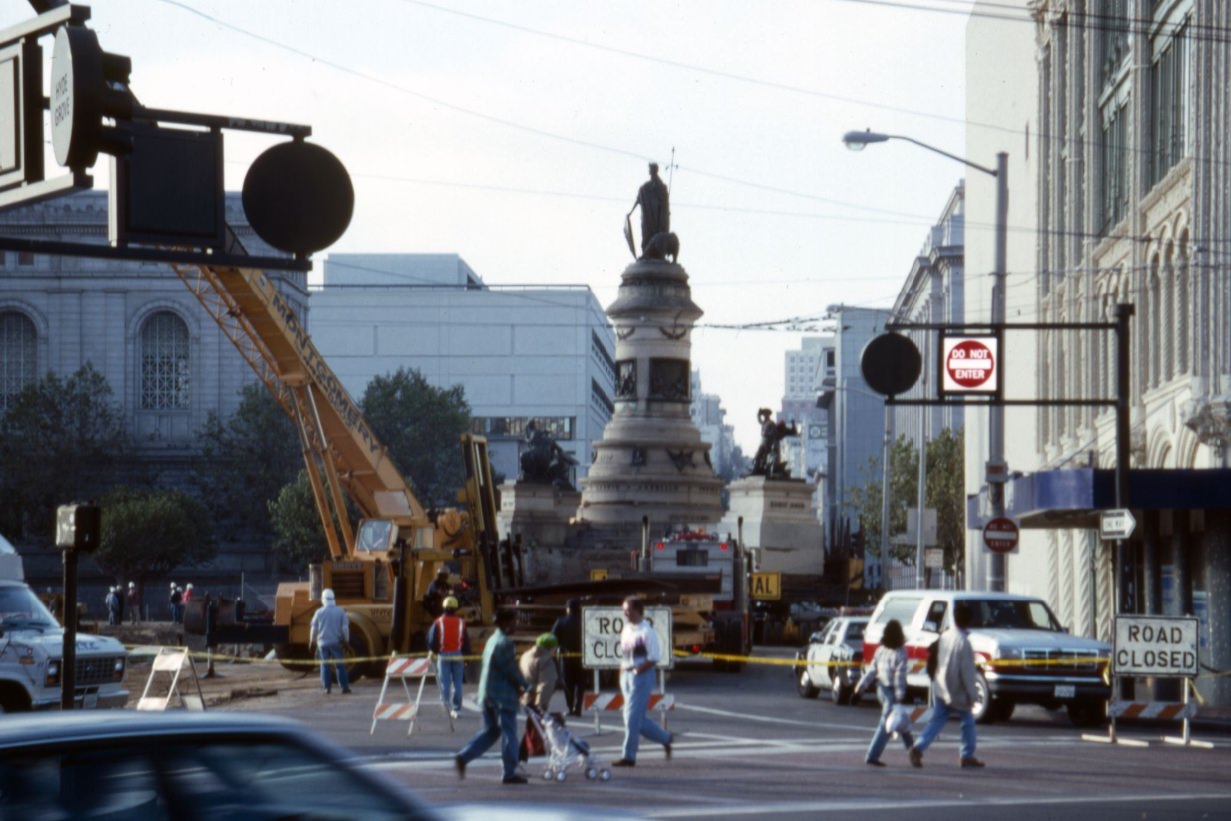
[1066, 690]
[90, 701]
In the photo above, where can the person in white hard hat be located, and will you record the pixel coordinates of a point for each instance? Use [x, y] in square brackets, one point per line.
[113, 605]
[134, 604]
[330, 630]
[177, 604]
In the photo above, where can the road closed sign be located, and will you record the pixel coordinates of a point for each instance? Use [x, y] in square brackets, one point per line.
[969, 364]
[1155, 646]
[600, 636]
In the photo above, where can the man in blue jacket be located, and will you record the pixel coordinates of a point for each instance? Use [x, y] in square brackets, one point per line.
[500, 687]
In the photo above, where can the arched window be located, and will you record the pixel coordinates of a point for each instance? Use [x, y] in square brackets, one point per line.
[165, 367]
[18, 355]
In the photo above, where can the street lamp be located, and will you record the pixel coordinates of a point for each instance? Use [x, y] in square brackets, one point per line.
[997, 470]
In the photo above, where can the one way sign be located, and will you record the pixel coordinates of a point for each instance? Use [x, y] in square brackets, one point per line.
[767, 586]
[1116, 524]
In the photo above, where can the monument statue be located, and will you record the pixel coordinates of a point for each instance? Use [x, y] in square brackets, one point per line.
[654, 200]
[768, 461]
[544, 461]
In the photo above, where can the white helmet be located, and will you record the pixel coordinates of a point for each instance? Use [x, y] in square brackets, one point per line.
[327, 596]
[189, 586]
[132, 584]
[172, 585]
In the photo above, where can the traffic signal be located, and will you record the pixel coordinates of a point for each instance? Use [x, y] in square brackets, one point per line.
[78, 526]
[87, 86]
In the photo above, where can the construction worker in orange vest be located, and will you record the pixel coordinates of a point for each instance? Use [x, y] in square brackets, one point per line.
[448, 640]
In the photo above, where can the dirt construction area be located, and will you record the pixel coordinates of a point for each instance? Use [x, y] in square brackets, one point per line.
[241, 676]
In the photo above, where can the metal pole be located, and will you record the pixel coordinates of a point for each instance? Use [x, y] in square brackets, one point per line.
[68, 654]
[1124, 569]
[884, 557]
[997, 470]
[920, 500]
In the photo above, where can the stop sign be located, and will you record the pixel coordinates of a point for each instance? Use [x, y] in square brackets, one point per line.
[969, 364]
[1000, 535]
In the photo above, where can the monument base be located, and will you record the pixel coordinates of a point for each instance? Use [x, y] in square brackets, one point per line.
[779, 524]
[538, 513]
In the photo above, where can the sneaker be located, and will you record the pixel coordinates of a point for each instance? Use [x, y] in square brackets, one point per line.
[971, 762]
[514, 779]
[329, 692]
[875, 763]
[667, 748]
[346, 691]
[916, 757]
[459, 764]
[453, 714]
[624, 762]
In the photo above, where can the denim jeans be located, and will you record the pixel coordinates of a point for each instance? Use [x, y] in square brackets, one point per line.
[331, 659]
[881, 737]
[498, 723]
[637, 688]
[940, 714]
[449, 677]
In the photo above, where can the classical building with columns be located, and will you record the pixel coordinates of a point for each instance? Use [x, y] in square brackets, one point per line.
[1132, 171]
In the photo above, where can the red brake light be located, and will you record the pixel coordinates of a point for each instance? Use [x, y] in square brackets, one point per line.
[660, 545]
[722, 546]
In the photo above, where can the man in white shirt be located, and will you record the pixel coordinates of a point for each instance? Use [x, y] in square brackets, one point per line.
[639, 655]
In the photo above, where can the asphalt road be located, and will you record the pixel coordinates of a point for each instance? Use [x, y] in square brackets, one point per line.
[748, 746]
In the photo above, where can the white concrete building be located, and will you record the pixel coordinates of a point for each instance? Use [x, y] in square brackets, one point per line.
[521, 353]
[710, 417]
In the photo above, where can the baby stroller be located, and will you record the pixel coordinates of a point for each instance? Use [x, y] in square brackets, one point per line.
[563, 749]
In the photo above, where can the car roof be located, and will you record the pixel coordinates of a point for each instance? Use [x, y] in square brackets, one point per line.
[960, 595]
[87, 725]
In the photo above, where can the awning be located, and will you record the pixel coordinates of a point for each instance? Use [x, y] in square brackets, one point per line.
[1073, 498]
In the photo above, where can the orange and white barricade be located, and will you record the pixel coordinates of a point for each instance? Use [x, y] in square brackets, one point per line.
[403, 668]
[599, 703]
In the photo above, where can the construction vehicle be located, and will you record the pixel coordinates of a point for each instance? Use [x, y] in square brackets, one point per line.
[380, 569]
[718, 620]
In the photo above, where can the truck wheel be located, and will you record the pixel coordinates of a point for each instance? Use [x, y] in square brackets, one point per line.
[982, 708]
[841, 692]
[294, 657]
[1087, 712]
[1002, 709]
[13, 699]
[803, 683]
[356, 648]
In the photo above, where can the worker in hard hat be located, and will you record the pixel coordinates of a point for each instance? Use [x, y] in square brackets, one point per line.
[447, 639]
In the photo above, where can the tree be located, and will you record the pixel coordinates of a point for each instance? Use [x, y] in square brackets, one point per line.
[60, 441]
[299, 539]
[420, 425]
[246, 461]
[944, 490]
[145, 534]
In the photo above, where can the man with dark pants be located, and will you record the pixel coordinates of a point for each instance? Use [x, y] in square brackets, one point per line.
[954, 687]
[639, 656]
[567, 631]
[500, 687]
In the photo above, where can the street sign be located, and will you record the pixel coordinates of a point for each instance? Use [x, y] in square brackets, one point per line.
[969, 364]
[1000, 535]
[1155, 646]
[598, 574]
[1116, 524]
[767, 585]
[600, 636]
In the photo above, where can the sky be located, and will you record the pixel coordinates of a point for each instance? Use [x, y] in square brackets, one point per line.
[517, 135]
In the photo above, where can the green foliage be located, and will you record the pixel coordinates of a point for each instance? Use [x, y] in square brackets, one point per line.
[60, 442]
[246, 462]
[146, 534]
[944, 490]
[299, 539]
[420, 425]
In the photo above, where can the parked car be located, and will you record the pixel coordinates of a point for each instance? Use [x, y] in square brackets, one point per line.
[1023, 654]
[832, 659]
[122, 764]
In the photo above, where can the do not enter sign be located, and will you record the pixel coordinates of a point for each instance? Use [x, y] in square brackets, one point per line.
[969, 364]
[1000, 535]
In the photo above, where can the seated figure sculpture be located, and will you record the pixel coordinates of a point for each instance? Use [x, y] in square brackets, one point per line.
[544, 461]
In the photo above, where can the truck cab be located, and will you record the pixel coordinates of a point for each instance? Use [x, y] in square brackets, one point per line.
[31, 649]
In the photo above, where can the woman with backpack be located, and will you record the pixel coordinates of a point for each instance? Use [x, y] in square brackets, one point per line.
[888, 669]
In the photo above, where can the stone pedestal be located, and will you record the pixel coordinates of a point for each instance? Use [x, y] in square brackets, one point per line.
[538, 513]
[779, 523]
[651, 461]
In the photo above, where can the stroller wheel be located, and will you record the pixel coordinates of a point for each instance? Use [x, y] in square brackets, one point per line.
[591, 773]
[560, 776]
[604, 775]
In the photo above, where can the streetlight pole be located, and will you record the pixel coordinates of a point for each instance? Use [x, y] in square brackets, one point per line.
[997, 470]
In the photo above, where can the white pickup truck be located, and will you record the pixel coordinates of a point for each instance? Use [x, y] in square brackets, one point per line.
[32, 646]
[1023, 654]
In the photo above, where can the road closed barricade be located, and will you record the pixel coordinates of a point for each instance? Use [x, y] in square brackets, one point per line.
[401, 669]
[600, 650]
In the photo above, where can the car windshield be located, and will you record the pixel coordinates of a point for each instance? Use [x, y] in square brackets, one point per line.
[19, 607]
[1021, 615]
